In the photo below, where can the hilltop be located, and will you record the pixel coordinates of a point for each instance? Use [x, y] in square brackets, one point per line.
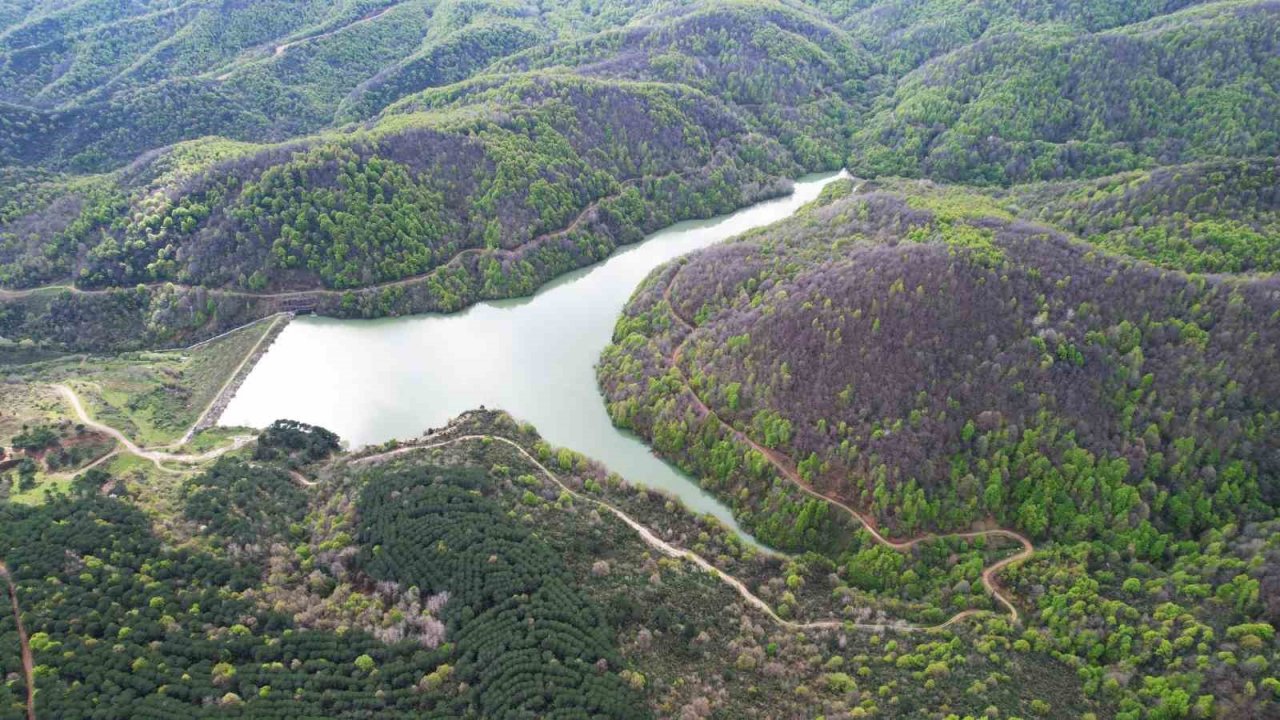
[493, 147]
[999, 409]
[923, 359]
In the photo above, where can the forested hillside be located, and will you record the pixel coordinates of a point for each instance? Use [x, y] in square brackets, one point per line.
[919, 353]
[486, 574]
[1000, 409]
[1043, 104]
[90, 85]
[880, 324]
[134, 628]
[401, 157]
[1218, 217]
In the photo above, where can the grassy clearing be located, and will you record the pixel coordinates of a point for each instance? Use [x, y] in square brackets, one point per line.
[35, 495]
[24, 403]
[152, 397]
[212, 438]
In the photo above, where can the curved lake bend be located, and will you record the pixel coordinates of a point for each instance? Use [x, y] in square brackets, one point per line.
[374, 380]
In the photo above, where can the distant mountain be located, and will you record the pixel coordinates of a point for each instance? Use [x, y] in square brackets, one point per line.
[93, 84]
[1035, 105]
[1215, 217]
[422, 156]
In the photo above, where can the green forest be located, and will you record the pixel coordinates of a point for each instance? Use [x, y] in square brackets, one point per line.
[1122, 414]
[374, 158]
[462, 579]
[998, 411]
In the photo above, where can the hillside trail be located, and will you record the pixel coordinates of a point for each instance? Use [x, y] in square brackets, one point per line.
[787, 469]
[155, 456]
[662, 546]
[588, 212]
[28, 663]
[70, 474]
[280, 49]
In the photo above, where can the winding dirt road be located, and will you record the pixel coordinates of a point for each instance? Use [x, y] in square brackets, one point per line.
[302, 480]
[154, 456]
[666, 548]
[28, 663]
[280, 49]
[787, 468]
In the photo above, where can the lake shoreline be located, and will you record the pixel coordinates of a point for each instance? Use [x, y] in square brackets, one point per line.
[378, 380]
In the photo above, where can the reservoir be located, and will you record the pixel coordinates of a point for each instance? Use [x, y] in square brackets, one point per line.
[374, 380]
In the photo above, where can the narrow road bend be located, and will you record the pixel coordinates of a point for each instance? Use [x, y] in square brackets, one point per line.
[155, 456]
[652, 540]
[787, 469]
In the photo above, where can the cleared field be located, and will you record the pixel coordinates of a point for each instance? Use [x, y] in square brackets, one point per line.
[154, 398]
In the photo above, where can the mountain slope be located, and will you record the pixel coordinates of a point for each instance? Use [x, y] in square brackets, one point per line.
[1217, 217]
[431, 210]
[920, 356]
[1037, 371]
[422, 156]
[1195, 84]
[92, 85]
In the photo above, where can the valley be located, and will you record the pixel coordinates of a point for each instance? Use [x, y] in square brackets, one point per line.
[586, 359]
[396, 378]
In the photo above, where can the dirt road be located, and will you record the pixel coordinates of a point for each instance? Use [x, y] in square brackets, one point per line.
[788, 469]
[666, 548]
[155, 456]
[28, 664]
